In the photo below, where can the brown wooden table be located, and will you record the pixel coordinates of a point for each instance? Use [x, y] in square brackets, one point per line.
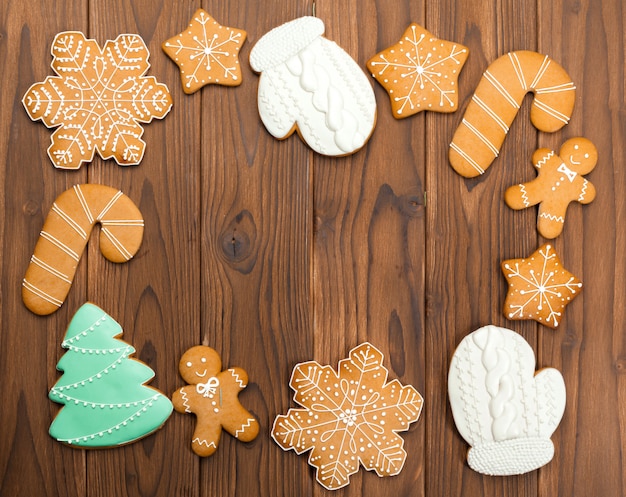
[275, 255]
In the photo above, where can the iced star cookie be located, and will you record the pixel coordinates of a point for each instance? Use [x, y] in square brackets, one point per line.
[348, 418]
[98, 100]
[559, 182]
[206, 52]
[212, 395]
[420, 72]
[65, 234]
[103, 388]
[539, 287]
[309, 84]
[501, 407]
[495, 104]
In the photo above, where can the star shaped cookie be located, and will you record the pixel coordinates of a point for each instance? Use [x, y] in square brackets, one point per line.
[539, 287]
[419, 72]
[206, 52]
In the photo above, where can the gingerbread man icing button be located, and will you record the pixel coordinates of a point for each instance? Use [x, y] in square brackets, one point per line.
[559, 182]
[212, 395]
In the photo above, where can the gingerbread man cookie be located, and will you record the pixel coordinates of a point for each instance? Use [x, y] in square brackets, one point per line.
[560, 181]
[212, 395]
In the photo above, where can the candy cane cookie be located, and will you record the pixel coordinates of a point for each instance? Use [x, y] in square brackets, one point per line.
[65, 234]
[496, 102]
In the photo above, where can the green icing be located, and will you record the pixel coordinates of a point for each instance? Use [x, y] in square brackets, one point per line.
[105, 400]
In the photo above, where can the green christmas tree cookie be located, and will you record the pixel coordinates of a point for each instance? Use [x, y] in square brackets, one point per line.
[106, 400]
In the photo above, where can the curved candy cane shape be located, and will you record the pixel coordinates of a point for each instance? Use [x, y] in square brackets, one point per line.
[496, 102]
[65, 234]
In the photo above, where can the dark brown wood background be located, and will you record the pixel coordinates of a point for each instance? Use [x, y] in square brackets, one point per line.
[274, 255]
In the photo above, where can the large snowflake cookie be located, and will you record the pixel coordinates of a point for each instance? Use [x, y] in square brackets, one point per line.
[206, 52]
[106, 401]
[504, 410]
[420, 72]
[348, 418]
[98, 99]
[559, 182]
[310, 84]
[539, 287]
[213, 396]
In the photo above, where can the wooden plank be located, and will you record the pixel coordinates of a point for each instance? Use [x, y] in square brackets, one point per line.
[256, 234]
[30, 461]
[156, 295]
[589, 348]
[368, 255]
[470, 231]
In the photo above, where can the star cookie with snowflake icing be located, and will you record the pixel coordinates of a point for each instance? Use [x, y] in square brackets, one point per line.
[348, 418]
[98, 99]
[539, 287]
[420, 72]
[206, 52]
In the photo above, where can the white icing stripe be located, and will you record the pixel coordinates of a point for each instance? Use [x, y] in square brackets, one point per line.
[109, 205]
[204, 442]
[524, 195]
[501, 89]
[542, 70]
[551, 217]
[117, 244]
[471, 161]
[50, 269]
[544, 159]
[518, 69]
[491, 113]
[583, 191]
[549, 110]
[556, 88]
[122, 222]
[73, 224]
[60, 245]
[481, 137]
[83, 203]
[41, 294]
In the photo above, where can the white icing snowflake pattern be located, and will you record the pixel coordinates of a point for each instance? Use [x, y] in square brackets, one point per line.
[206, 52]
[540, 295]
[420, 72]
[98, 99]
[349, 418]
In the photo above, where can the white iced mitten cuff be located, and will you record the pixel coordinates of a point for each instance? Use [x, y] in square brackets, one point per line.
[310, 84]
[504, 410]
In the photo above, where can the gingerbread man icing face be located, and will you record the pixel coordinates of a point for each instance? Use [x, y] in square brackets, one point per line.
[212, 395]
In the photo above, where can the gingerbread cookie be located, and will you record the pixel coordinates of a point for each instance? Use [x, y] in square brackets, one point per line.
[420, 72]
[65, 234]
[309, 84]
[206, 52]
[212, 395]
[98, 100]
[559, 182]
[496, 102]
[505, 411]
[106, 401]
[539, 287]
[349, 417]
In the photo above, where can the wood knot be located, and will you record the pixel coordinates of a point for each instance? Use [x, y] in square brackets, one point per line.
[238, 242]
[31, 208]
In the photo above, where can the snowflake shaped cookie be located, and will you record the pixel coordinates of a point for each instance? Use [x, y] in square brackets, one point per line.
[539, 287]
[98, 99]
[348, 418]
[419, 72]
[206, 52]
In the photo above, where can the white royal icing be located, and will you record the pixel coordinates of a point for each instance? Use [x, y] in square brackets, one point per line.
[500, 407]
[310, 82]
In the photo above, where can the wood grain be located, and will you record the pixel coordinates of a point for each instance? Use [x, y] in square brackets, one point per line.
[274, 255]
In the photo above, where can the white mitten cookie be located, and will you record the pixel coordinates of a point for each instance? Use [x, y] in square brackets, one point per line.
[311, 85]
[500, 407]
